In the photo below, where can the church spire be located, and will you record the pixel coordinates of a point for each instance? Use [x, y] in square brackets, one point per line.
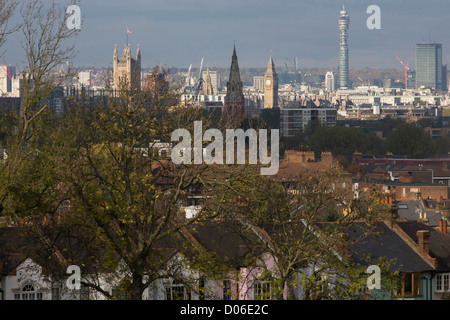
[235, 91]
[207, 87]
[234, 108]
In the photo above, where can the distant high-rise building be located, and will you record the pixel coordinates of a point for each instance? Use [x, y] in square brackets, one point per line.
[127, 70]
[258, 83]
[84, 78]
[233, 108]
[10, 82]
[331, 81]
[429, 66]
[270, 86]
[7, 74]
[444, 78]
[344, 22]
[411, 76]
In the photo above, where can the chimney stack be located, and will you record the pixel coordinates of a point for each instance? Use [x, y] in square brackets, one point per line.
[443, 226]
[423, 237]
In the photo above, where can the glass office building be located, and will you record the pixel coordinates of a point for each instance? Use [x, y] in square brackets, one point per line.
[429, 68]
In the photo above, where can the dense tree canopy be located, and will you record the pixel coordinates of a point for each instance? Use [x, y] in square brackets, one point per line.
[410, 140]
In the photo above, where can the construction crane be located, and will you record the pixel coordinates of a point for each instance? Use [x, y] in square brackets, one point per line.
[335, 65]
[201, 68]
[358, 77]
[188, 76]
[92, 74]
[199, 84]
[8, 72]
[406, 66]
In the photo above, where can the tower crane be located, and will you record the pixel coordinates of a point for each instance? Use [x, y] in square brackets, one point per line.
[201, 68]
[92, 74]
[335, 65]
[199, 84]
[8, 73]
[406, 66]
[358, 77]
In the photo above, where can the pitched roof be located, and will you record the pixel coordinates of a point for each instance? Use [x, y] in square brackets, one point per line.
[232, 242]
[439, 243]
[365, 246]
[410, 210]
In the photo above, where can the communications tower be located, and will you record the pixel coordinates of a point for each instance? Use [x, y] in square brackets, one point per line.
[344, 22]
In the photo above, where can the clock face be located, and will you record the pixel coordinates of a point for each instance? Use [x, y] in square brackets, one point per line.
[268, 82]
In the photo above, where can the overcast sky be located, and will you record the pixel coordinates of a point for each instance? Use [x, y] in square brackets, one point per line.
[182, 32]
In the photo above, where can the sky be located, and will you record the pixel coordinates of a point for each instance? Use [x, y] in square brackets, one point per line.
[178, 33]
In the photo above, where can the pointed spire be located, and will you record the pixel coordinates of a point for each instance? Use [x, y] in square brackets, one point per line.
[207, 86]
[234, 85]
[271, 65]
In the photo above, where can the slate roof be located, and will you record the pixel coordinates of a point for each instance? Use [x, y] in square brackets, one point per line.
[439, 242]
[387, 243]
[410, 210]
[232, 242]
[381, 242]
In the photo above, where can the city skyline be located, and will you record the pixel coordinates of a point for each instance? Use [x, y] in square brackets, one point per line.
[187, 31]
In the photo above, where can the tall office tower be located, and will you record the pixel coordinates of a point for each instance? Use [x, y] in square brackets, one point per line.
[444, 78]
[330, 81]
[270, 86]
[127, 70]
[344, 22]
[233, 108]
[429, 65]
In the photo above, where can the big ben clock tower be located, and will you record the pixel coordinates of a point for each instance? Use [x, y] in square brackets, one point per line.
[270, 86]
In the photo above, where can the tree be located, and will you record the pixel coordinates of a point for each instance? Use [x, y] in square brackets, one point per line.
[410, 140]
[297, 252]
[7, 9]
[344, 141]
[47, 47]
[97, 173]
[45, 37]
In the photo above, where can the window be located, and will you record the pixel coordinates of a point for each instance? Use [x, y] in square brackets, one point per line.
[409, 285]
[443, 282]
[226, 290]
[263, 291]
[56, 291]
[177, 291]
[28, 293]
